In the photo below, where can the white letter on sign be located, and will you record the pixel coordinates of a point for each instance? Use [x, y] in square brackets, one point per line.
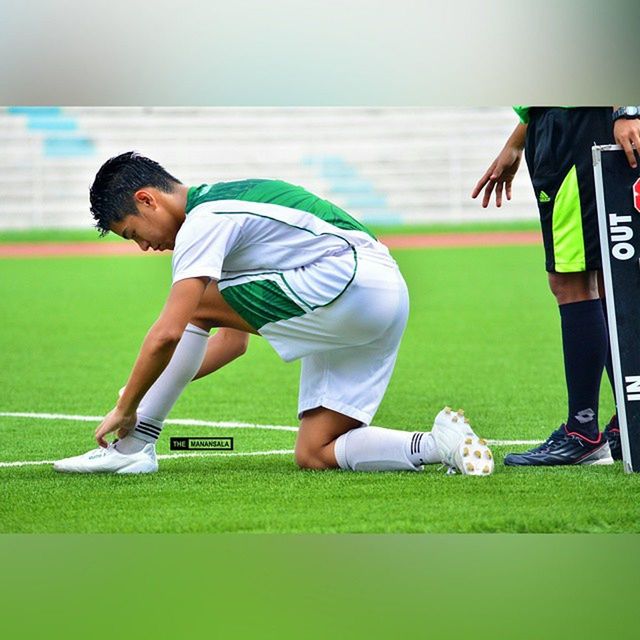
[632, 387]
[621, 249]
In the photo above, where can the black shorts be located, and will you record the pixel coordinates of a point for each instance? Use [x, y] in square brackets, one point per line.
[558, 154]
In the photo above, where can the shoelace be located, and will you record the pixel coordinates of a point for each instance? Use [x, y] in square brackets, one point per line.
[98, 453]
[557, 436]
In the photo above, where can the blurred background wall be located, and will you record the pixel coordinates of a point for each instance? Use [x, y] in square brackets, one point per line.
[386, 166]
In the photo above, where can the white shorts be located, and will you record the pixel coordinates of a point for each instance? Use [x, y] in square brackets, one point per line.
[349, 347]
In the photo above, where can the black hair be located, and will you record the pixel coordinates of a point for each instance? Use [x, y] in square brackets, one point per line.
[112, 191]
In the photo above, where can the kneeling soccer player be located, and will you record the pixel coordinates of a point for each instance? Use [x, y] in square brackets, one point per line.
[266, 257]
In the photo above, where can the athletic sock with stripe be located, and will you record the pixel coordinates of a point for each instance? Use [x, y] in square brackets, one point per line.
[378, 449]
[162, 395]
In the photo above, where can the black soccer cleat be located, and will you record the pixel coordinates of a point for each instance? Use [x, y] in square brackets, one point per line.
[563, 447]
[612, 434]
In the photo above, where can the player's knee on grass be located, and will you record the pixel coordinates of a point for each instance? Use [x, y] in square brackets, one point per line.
[319, 429]
[314, 458]
[574, 287]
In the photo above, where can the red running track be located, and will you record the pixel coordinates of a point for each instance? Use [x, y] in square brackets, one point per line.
[422, 241]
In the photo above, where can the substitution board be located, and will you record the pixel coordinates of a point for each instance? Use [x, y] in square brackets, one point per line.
[618, 198]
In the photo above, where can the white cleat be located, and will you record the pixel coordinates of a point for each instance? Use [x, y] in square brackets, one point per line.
[459, 447]
[110, 460]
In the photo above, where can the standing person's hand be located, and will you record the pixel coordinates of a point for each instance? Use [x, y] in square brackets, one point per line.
[627, 134]
[500, 174]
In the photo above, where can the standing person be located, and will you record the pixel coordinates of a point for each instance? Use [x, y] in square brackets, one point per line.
[557, 144]
[269, 258]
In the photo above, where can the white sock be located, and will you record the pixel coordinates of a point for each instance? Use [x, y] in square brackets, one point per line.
[377, 449]
[130, 444]
[159, 400]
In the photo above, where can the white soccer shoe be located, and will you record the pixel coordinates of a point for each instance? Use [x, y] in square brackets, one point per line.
[110, 460]
[459, 447]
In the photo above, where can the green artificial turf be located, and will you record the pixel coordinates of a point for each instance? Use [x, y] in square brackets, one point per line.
[483, 335]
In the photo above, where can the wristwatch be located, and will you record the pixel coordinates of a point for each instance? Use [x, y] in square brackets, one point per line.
[626, 112]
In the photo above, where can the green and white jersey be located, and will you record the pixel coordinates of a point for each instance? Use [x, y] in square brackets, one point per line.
[260, 237]
[523, 113]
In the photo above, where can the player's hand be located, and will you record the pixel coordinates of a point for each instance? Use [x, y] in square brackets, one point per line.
[627, 135]
[499, 176]
[116, 421]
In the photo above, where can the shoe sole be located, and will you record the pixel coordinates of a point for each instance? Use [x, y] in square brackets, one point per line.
[477, 459]
[473, 457]
[589, 463]
[134, 468]
[595, 462]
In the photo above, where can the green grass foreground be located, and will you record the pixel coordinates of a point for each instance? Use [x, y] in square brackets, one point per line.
[483, 335]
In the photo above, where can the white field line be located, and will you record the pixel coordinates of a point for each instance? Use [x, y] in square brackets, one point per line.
[168, 456]
[191, 423]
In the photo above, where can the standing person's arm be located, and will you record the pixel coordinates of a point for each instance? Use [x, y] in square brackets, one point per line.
[626, 132]
[502, 170]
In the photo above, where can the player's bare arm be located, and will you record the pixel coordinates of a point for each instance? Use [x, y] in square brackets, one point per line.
[155, 354]
[501, 172]
[626, 133]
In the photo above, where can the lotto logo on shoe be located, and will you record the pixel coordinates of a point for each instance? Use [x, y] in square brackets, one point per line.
[636, 195]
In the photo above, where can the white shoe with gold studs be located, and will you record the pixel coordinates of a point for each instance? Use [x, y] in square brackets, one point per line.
[459, 447]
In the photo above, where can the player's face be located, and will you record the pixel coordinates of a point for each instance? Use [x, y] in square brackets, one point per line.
[144, 232]
[152, 228]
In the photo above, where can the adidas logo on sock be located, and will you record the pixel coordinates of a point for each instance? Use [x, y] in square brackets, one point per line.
[543, 197]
